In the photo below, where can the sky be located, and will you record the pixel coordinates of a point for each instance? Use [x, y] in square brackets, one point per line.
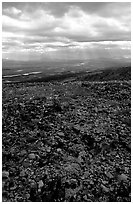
[66, 30]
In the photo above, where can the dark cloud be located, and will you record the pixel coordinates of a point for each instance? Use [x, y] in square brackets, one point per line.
[60, 8]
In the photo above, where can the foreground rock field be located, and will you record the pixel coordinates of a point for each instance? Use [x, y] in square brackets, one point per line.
[66, 141]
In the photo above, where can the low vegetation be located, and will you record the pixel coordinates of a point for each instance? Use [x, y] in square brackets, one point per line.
[68, 140]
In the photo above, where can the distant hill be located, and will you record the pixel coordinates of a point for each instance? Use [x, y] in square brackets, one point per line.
[88, 70]
[123, 73]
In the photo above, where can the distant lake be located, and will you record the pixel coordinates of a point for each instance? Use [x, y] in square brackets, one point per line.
[17, 75]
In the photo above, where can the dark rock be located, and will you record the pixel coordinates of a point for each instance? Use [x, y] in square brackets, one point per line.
[54, 192]
[33, 195]
[88, 140]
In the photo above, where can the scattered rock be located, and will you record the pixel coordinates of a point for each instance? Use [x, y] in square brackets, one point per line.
[32, 156]
[109, 175]
[26, 164]
[122, 177]
[53, 153]
[126, 169]
[13, 188]
[48, 149]
[33, 184]
[59, 150]
[27, 195]
[23, 152]
[61, 134]
[91, 182]
[85, 197]
[104, 188]
[105, 182]
[22, 173]
[77, 128]
[5, 175]
[40, 184]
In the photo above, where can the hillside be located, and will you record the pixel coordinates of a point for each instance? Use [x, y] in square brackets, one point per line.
[68, 140]
[21, 71]
[121, 73]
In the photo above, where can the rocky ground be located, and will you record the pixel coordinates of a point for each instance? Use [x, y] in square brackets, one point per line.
[66, 141]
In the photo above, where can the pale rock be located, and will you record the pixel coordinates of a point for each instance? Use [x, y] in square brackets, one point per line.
[32, 156]
[40, 184]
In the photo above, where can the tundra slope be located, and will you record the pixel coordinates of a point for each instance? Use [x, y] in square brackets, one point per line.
[67, 140]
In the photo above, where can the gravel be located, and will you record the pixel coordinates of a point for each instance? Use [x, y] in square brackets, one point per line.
[66, 142]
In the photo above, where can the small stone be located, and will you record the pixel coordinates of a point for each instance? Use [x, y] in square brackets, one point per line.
[113, 153]
[12, 151]
[22, 105]
[5, 174]
[73, 182]
[27, 195]
[91, 182]
[126, 169]
[32, 156]
[117, 156]
[77, 128]
[22, 173]
[109, 175]
[111, 188]
[80, 159]
[39, 190]
[58, 150]
[122, 177]
[85, 197]
[13, 188]
[104, 188]
[48, 150]
[26, 164]
[33, 184]
[61, 134]
[23, 152]
[40, 184]
[96, 109]
[104, 182]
